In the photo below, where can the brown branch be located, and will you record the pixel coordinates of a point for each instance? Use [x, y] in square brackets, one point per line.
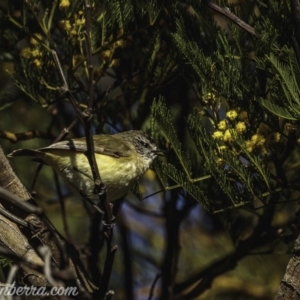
[170, 263]
[58, 274]
[289, 288]
[65, 87]
[111, 249]
[99, 185]
[10, 235]
[197, 284]
[9, 181]
[169, 266]
[96, 242]
[127, 257]
[7, 196]
[12, 217]
[151, 293]
[63, 208]
[85, 118]
[23, 242]
[232, 17]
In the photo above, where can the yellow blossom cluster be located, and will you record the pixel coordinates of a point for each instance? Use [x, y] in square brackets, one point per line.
[209, 97]
[226, 129]
[240, 127]
[29, 53]
[106, 55]
[219, 161]
[222, 148]
[72, 28]
[256, 141]
[218, 135]
[114, 63]
[33, 52]
[120, 44]
[227, 136]
[231, 114]
[37, 62]
[222, 125]
[236, 123]
[290, 127]
[64, 4]
[276, 137]
[263, 139]
[65, 25]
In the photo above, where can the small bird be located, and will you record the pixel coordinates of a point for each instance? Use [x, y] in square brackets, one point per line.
[122, 159]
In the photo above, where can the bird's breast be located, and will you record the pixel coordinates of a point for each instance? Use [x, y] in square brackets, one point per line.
[118, 174]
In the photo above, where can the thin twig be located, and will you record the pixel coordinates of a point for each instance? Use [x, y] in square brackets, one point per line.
[95, 243]
[169, 266]
[63, 208]
[64, 275]
[99, 185]
[12, 217]
[151, 293]
[201, 281]
[127, 258]
[16, 201]
[36, 172]
[65, 88]
[226, 13]
[66, 131]
[12, 274]
[111, 249]
[46, 254]
[109, 295]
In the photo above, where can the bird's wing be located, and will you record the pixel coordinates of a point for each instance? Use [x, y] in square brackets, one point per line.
[106, 147]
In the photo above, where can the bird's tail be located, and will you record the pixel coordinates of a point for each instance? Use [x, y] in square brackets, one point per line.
[25, 152]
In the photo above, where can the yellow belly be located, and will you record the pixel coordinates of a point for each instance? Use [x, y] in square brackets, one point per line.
[118, 174]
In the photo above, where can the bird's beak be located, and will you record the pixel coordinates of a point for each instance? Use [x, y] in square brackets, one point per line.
[160, 152]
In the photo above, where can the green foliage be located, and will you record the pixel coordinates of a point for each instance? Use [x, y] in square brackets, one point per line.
[284, 84]
[227, 77]
[4, 262]
[162, 120]
[47, 27]
[223, 104]
[164, 43]
[241, 176]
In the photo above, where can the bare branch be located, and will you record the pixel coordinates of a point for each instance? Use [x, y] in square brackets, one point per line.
[232, 17]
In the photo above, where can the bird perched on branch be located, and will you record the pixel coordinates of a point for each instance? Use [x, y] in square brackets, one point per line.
[122, 159]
